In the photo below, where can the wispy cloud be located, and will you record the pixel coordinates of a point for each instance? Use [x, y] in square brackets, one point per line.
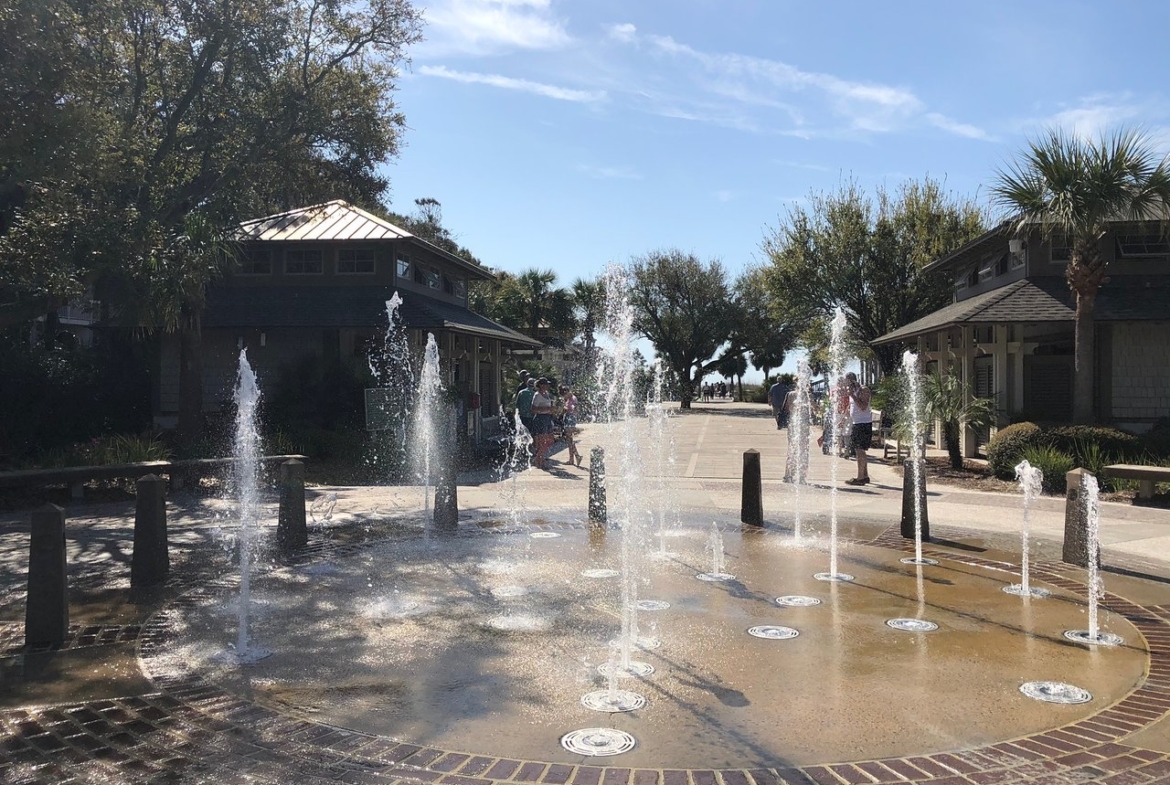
[1096, 115]
[803, 165]
[609, 172]
[723, 195]
[955, 127]
[713, 86]
[510, 83]
[480, 27]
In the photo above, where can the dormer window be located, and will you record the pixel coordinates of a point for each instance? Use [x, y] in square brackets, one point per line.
[403, 267]
[355, 261]
[432, 279]
[461, 289]
[302, 262]
[1061, 251]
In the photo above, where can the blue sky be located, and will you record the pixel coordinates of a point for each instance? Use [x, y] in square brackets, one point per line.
[572, 133]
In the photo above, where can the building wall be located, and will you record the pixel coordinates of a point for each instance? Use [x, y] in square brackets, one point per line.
[1141, 372]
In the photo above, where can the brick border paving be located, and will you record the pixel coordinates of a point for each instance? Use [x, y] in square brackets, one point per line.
[193, 731]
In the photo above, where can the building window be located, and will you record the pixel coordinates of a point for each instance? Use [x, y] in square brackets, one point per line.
[960, 282]
[403, 266]
[973, 277]
[1061, 251]
[461, 289]
[256, 261]
[302, 262]
[1001, 266]
[355, 261]
[432, 278]
[1142, 246]
[448, 286]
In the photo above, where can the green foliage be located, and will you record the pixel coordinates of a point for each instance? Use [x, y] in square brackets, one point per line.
[1111, 441]
[1156, 441]
[1054, 463]
[681, 305]
[120, 120]
[1006, 448]
[866, 256]
[947, 399]
[53, 399]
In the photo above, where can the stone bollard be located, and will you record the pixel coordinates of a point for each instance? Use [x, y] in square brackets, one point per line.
[46, 615]
[1076, 520]
[597, 511]
[751, 507]
[291, 530]
[914, 484]
[151, 560]
[447, 484]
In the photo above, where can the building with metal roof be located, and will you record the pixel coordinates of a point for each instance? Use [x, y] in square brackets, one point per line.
[1009, 329]
[311, 285]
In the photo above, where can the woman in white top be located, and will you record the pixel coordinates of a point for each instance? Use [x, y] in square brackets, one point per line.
[542, 421]
[861, 436]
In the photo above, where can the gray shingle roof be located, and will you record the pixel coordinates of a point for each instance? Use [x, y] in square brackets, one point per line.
[1128, 298]
[341, 306]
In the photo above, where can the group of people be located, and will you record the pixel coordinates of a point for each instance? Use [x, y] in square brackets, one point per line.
[546, 416]
[712, 390]
[849, 415]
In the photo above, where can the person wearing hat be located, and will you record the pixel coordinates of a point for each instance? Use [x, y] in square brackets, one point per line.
[542, 421]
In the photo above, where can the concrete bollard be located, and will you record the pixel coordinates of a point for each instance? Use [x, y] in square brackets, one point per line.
[291, 531]
[447, 484]
[151, 561]
[914, 484]
[1076, 520]
[597, 512]
[46, 615]
[751, 506]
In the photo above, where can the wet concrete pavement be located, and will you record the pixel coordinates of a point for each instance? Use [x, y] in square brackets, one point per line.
[125, 699]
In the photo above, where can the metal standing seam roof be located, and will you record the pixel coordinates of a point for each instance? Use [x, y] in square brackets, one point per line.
[338, 221]
[1046, 299]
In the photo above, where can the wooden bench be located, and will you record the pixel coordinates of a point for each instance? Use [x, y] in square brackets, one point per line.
[76, 476]
[1145, 475]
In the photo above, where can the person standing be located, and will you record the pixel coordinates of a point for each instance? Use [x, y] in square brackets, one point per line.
[524, 402]
[796, 462]
[861, 435]
[777, 394]
[542, 421]
[569, 422]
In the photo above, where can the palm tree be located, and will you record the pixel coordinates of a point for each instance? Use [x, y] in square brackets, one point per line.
[945, 399]
[1075, 188]
[532, 301]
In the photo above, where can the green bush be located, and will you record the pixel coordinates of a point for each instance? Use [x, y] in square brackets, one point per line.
[1156, 441]
[1054, 464]
[1113, 442]
[1006, 448]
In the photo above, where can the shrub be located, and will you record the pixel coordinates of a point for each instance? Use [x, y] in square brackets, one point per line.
[1006, 448]
[1115, 443]
[1156, 441]
[1054, 463]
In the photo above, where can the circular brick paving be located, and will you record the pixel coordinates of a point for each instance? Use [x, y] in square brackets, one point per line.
[190, 730]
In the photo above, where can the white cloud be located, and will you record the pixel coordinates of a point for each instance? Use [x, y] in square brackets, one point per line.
[1096, 116]
[955, 127]
[609, 172]
[625, 32]
[480, 27]
[761, 94]
[510, 83]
